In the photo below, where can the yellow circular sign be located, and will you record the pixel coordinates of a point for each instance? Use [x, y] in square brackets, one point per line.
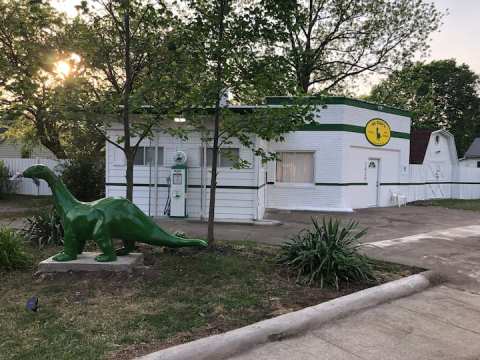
[378, 132]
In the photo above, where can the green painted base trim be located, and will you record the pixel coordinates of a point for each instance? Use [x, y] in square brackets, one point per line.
[341, 184]
[348, 128]
[338, 100]
[432, 183]
[192, 186]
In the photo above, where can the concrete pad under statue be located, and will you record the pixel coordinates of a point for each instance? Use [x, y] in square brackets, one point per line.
[86, 262]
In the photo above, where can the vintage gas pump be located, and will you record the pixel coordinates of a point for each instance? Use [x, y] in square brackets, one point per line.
[178, 186]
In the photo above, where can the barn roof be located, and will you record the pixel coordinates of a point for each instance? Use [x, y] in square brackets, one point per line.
[474, 150]
[419, 139]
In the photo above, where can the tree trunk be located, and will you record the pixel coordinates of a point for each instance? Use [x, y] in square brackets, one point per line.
[129, 152]
[219, 80]
[129, 175]
[213, 181]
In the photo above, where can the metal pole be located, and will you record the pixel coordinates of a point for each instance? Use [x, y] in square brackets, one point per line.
[156, 173]
[150, 184]
[203, 193]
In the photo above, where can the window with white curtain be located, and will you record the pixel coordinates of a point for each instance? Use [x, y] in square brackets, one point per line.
[295, 167]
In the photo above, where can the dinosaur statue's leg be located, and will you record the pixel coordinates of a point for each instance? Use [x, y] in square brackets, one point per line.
[70, 246]
[128, 247]
[102, 237]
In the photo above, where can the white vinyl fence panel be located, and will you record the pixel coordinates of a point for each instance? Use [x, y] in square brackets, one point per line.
[26, 186]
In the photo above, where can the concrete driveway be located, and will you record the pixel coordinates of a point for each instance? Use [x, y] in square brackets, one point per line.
[440, 323]
[382, 223]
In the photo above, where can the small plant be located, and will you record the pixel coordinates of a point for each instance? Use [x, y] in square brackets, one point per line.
[327, 254]
[12, 250]
[44, 229]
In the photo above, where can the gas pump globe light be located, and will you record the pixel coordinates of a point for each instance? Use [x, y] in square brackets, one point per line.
[180, 158]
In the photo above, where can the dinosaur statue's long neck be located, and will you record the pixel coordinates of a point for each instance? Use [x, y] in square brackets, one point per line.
[64, 200]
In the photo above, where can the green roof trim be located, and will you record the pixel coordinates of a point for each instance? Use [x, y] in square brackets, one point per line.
[348, 128]
[339, 100]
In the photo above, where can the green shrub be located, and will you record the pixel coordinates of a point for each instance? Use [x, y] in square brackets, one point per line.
[44, 229]
[327, 254]
[12, 250]
[85, 178]
[5, 183]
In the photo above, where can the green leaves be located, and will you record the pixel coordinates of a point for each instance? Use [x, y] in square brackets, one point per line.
[12, 250]
[440, 94]
[327, 42]
[44, 229]
[327, 254]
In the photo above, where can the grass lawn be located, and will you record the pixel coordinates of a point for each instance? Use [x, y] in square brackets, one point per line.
[473, 205]
[180, 296]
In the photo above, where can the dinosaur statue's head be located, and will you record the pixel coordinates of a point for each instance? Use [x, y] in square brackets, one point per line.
[36, 172]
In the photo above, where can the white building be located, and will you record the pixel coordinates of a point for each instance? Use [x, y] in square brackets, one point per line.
[472, 155]
[351, 157]
[10, 149]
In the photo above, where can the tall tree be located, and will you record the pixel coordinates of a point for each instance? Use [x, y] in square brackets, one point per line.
[129, 48]
[225, 36]
[325, 42]
[37, 76]
[440, 94]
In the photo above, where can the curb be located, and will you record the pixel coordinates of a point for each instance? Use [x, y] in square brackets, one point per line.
[218, 347]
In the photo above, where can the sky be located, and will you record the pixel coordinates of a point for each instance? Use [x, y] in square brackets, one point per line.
[459, 36]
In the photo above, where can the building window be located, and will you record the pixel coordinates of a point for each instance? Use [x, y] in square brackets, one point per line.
[146, 155]
[227, 157]
[295, 167]
[478, 164]
[437, 139]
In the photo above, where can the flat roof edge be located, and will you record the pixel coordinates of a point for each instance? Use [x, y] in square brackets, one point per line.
[340, 100]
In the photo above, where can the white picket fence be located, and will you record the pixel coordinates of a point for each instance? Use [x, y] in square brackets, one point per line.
[26, 186]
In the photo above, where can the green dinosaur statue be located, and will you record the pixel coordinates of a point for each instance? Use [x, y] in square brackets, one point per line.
[102, 220]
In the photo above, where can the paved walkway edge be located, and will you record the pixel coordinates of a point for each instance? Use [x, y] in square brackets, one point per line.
[231, 343]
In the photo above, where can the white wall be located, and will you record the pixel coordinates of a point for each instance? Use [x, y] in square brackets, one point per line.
[341, 159]
[236, 196]
[13, 150]
[26, 186]
[471, 163]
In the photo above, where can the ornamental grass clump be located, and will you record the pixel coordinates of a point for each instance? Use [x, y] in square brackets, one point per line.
[44, 229]
[327, 254]
[12, 250]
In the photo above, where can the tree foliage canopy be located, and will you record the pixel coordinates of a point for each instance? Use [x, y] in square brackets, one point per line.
[440, 94]
[33, 93]
[325, 42]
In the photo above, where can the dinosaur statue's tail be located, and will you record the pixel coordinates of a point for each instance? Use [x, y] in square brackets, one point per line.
[162, 238]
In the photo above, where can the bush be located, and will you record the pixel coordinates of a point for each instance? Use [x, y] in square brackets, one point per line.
[327, 254]
[5, 183]
[85, 178]
[12, 250]
[44, 229]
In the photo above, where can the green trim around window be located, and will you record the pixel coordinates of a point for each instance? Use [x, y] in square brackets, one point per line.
[339, 100]
[348, 128]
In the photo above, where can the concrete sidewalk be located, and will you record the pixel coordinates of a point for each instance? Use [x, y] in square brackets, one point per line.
[440, 323]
